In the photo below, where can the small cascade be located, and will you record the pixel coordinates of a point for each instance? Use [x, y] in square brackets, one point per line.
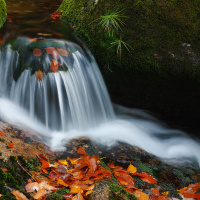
[55, 88]
[75, 97]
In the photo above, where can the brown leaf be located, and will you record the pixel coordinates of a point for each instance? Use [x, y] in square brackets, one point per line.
[68, 196]
[39, 75]
[54, 67]
[19, 195]
[63, 52]
[37, 52]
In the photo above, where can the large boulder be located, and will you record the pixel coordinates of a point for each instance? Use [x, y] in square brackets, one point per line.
[3, 12]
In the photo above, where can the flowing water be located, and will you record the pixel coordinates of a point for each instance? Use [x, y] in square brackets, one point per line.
[74, 102]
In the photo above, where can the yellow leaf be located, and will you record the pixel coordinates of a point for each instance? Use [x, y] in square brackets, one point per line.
[131, 169]
[88, 192]
[165, 193]
[63, 162]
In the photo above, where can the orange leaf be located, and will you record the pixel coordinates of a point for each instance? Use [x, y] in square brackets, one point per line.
[54, 67]
[41, 157]
[63, 52]
[50, 50]
[61, 182]
[75, 189]
[32, 39]
[1, 133]
[39, 75]
[81, 151]
[4, 169]
[45, 164]
[146, 177]
[140, 195]
[132, 169]
[19, 195]
[37, 52]
[197, 196]
[11, 145]
[40, 194]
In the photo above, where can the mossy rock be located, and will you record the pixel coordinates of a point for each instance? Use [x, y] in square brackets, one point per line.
[3, 12]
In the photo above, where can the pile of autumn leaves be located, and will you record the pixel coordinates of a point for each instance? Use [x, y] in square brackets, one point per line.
[81, 174]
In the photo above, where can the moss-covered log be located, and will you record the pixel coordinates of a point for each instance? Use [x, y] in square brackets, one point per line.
[3, 12]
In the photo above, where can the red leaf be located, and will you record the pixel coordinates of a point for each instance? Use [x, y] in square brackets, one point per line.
[54, 67]
[68, 196]
[197, 196]
[41, 158]
[146, 177]
[4, 169]
[81, 151]
[1, 133]
[11, 145]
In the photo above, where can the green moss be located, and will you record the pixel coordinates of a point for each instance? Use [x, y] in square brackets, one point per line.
[185, 180]
[116, 190]
[58, 195]
[3, 12]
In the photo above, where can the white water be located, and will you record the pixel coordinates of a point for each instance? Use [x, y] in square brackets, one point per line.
[65, 105]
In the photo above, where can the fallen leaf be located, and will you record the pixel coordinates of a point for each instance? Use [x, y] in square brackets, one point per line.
[81, 151]
[4, 169]
[50, 50]
[37, 52]
[68, 196]
[40, 194]
[32, 39]
[54, 67]
[39, 75]
[1, 133]
[140, 195]
[63, 52]
[132, 169]
[32, 187]
[63, 162]
[19, 195]
[146, 177]
[61, 182]
[11, 145]
[75, 189]
[88, 192]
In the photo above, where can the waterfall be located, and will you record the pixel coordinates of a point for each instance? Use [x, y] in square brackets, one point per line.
[68, 99]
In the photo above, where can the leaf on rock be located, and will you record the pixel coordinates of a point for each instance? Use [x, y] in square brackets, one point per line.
[19, 195]
[11, 145]
[39, 75]
[37, 52]
[32, 187]
[54, 66]
[146, 177]
[141, 195]
[132, 169]
[32, 39]
[81, 151]
[50, 50]
[1, 133]
[63, 52]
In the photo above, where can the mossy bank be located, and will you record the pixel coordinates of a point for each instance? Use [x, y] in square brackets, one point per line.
[161, 73]
[3, 12]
